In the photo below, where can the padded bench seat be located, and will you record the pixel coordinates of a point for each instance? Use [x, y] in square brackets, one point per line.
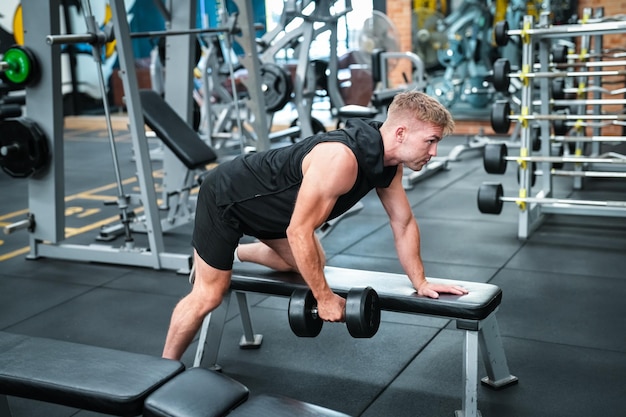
[128, 384]
[87, 377]
[394, 290]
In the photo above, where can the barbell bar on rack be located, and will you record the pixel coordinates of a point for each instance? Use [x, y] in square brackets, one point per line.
[107, 35]
[502, 74]
[501, 116]
[502, 33]
[491, 198]
[495, 158]
[559, 90]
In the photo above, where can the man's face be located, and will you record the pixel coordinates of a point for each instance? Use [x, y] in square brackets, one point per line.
[419, 144]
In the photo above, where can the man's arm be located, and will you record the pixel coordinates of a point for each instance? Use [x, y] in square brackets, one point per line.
[329, 171]
[407, 239]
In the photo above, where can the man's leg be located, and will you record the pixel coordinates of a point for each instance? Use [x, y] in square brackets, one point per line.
[208, 290]
[274, 253]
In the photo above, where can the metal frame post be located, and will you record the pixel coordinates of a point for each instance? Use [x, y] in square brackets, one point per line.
[44, 105]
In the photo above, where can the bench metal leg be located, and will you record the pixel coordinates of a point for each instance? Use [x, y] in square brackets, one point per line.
[470, 376]
[5, 410]
[249, 340]
[494, 358]
[211, 336]
[487, 334]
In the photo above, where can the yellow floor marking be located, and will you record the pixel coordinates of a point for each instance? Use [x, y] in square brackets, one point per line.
[83, 195]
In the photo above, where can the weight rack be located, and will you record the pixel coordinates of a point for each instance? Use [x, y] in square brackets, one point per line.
[537, 43]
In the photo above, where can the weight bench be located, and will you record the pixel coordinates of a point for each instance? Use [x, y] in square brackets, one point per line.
[475, 314]
[128, 384]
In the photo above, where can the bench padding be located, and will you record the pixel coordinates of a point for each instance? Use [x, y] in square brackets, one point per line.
[197, 392]
[86, 377]
[395, 290]
[174, 131]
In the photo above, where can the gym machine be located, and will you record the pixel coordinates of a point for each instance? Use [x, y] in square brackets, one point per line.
[46, 220]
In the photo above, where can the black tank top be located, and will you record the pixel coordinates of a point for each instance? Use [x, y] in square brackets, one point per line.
[259, 190]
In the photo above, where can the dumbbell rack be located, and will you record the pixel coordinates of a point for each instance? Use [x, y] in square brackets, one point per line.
[537, 42]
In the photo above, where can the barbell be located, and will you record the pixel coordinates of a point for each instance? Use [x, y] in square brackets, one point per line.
[502, 74]
[502, 33]
[501, 117]
[559, 90]
[19, 66]
[491, 198]
[495, 158]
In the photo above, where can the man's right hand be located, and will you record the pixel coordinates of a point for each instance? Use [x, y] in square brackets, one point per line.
[332, 308]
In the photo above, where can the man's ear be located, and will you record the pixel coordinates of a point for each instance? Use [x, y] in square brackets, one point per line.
[400, 133]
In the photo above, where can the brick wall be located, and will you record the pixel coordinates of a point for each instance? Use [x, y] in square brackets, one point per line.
[399, 11]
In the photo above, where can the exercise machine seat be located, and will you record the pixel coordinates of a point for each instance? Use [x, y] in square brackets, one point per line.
[177, 135]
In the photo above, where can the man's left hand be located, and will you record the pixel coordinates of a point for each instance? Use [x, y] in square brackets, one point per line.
[428, 289]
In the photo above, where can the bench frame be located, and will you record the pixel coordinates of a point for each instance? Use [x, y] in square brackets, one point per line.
[483, 335]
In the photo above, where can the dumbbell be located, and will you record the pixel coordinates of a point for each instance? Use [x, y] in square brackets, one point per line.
[362, 313]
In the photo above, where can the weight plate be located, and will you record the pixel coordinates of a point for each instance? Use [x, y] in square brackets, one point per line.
[276, 85]
[24, 148]
[316, 125]
[501, 71]
[559, 54]
[302, 320]
[489, 198]
[560, 127]
[23, 69]
[362, 312]
[558, 88]
[500, 112]
[501, 33]
[494, 155]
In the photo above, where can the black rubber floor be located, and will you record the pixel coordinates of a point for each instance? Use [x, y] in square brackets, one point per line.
[562, 319]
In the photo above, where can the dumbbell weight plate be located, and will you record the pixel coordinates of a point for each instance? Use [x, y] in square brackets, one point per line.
[500, 112]
[559, 54]
[302, 320]
[501, 71]
[489, 198]
[494, 158]
[500, 31]
[362, 312]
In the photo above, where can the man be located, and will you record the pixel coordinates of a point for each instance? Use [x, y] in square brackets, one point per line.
[282, 196]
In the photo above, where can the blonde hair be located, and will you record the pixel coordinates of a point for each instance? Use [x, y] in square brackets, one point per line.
[420, 106]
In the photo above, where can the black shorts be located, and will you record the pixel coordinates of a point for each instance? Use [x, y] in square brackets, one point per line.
[216, 234]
